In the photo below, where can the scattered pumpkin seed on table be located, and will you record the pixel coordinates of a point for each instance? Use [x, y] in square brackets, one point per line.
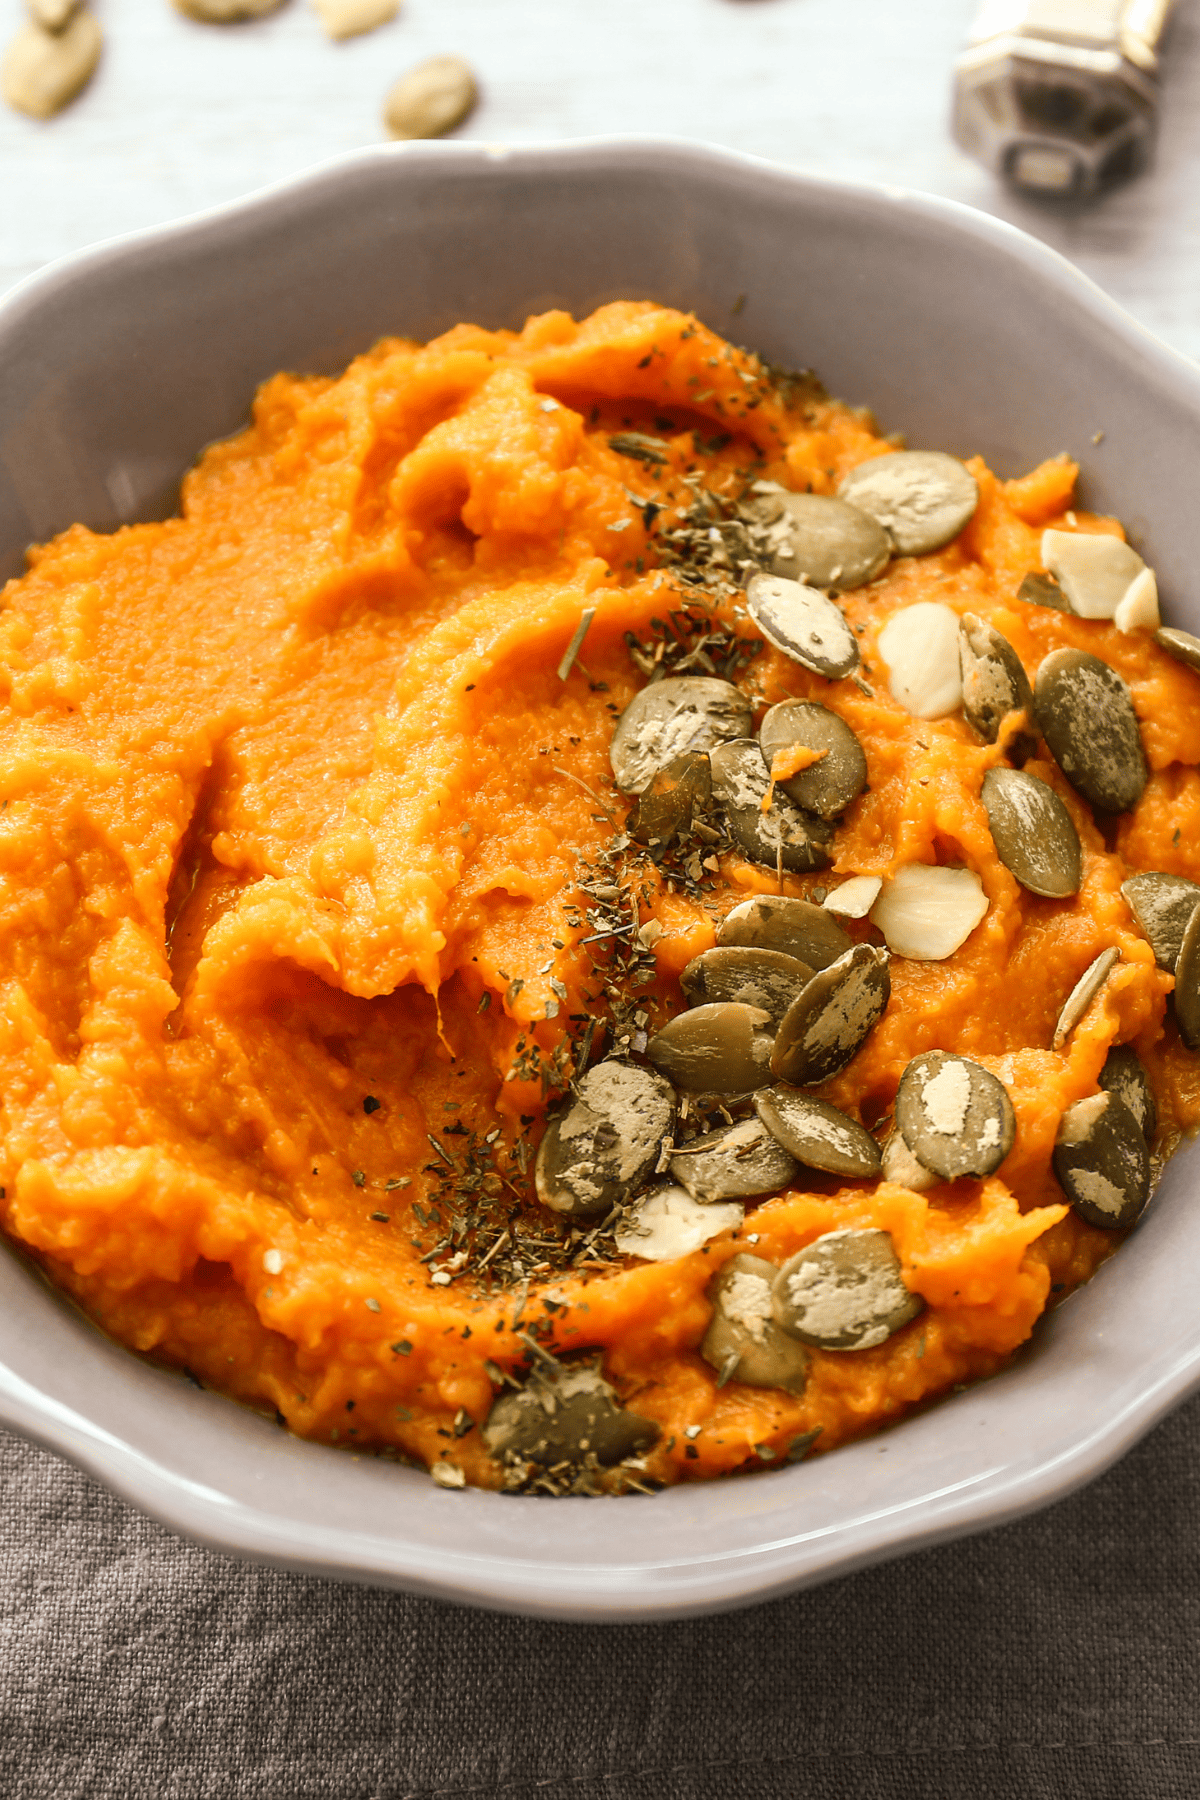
[225, 12]
[351, 18]
[42, 71]
[431, 99]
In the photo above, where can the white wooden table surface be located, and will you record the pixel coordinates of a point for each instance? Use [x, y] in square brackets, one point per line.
[181, 115]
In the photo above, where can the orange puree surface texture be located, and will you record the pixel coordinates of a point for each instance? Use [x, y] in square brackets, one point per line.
[299, 790]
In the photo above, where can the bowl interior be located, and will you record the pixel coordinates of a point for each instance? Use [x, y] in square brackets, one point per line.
[119, 366]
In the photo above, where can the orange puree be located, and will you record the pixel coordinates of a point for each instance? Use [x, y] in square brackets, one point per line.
[294, 807]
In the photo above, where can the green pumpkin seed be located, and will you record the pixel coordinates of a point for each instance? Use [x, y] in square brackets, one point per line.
[566, 1414]
[763, 978]
[670, 718]
[431, 99]
[607, 1142]
[845, 1291]
[734, 1162]
[1034, 834]
[955, 1117]
[1101, 1160]
[1181, 645]
[1163, 906]
[817, 1134]
[1094, 571]
[724, 1048]
[743, 1331]
[804, 624]
[1043, 590]
[42, 71]
[675, 795]
[1124, 1074]
[796, 927]
[781, 835]
[1186, 997]
[1083, 993]
[667, 1223]
[994, 684]
[824, 542]
[831, 1018]
[922, 498]
[1086, 716]
[828, 786]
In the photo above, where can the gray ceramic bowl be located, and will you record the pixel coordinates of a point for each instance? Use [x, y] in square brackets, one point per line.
[118, 365]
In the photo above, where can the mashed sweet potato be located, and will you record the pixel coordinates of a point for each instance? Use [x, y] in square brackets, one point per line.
[295, 808]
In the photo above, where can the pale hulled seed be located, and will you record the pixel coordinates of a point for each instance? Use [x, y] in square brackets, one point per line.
[922, 498]
[831, 1018]
[724, 1048]
[42, 71]
[670, 718]
[1102, 1162]
[1186, 998]
[802, 623]
[1094, 571]
[826, 787]
[1034, 834]
[919, 645]
[734, 1162]
[431, 99]
[1163, 906]
[827, 542]
[1181, 645]
[565, 1414]
[1086, 716]
[667, 1223]
[1124, 1074]
[845, 1291]
[607, 1142]
[783, 834]
[1083, 993]
[762, 978]
[51, 15]
[926, 912]
[994, 684]
[225, 12]
[854, 898]
[351, 18]
[818, 1134]
[743, 1337]
[954, 1115]
[796, 927]
[671, 799]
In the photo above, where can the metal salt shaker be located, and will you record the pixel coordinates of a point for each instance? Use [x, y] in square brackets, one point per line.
[1060, 96]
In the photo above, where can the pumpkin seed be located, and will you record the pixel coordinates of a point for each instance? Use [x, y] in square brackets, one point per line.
[431, 99]
[1034, 834]
[994, 684]
[42, 70]
[565, 1414]
[51, 15]
[1043, 590]
[1163, 906]
[827, 786]
[225, 12]
[817, 1134]
[844, 1291]
[955, 1117]
[1124, 1074]
[926, 912]
[724, 1048]
[919, 645]
[738, 1160]
[796, 927]
[922, 498]
[902, 1167]
[667, 1223]
[674, 796]
[1086, 716]
[782, 834]
[1181, 645]
[743, 1327]
[1186, 997]
[1101, 1160]
[350, 18]
[831, 1018]
[804, 624]
[670, 718]
[607, 1141]
[854, 898]
[1083, 993]
[823, 541]
[1138, 611]
[762, 978]
[1094, 571]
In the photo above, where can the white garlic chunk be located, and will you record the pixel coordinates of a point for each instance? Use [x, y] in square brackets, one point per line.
[1093, 570]
[926, 913]
[668, 1223]
[919, 644]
